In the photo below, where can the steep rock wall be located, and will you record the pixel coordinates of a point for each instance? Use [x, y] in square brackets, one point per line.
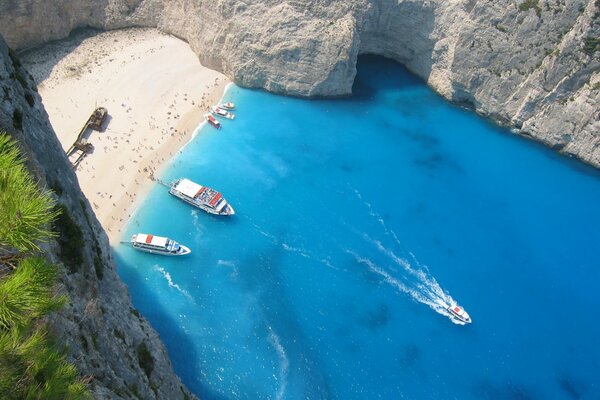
[104, 334]
[531, 65]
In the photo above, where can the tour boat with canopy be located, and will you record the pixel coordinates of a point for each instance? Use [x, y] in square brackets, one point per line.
[158, 245]
[203, 197]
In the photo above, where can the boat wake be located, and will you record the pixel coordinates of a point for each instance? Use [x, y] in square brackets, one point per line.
[307, 255]
[172, 284]
[291, 249]
[284, 364]
[230, 265]
[405, 273]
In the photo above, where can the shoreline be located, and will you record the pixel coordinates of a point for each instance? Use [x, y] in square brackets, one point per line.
[156, 92]
[141, 184]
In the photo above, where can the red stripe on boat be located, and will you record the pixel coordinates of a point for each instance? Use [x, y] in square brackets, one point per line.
[149, 239]
[215, 199]
[200, 191]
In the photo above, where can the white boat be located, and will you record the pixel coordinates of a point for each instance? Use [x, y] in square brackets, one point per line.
[222, 112]
[203, 197]
[459, 313]
[213, 121]
[227, 106]
[158, 245]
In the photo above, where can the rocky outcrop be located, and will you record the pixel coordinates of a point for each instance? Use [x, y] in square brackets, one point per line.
[532, 65]
[106, 337]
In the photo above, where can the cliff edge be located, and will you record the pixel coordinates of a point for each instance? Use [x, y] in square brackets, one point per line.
[531, 65]
[108, 340]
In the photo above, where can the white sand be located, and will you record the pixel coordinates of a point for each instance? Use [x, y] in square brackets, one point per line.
[156, 93]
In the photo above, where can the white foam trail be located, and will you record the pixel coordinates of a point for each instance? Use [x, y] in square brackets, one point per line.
[307, 255]
[231, 265]
[265, 234]
[196, 221]
[284, 363]
[172, 284]
[388, 278]
[289, 248]
[426, 289]
[379, 218]
[420, 274]
[226, 263]
[421, 293]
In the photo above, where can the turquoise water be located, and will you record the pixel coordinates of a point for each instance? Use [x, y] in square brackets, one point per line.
[355, 219]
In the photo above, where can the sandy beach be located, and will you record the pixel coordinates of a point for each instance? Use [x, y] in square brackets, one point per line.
[156, 92]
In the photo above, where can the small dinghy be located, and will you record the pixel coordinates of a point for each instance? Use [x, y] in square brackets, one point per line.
[213, 121]
[227, 106]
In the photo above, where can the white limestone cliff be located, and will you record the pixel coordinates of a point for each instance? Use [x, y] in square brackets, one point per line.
[532, 65]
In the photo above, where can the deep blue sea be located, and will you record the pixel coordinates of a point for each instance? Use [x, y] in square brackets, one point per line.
[356, 218]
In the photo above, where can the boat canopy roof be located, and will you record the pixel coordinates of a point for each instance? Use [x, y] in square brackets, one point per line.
[188, 187]
[151, 239]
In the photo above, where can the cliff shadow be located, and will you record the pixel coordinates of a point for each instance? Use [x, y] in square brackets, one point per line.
[401, 31]
[39, 61]
[376, 72]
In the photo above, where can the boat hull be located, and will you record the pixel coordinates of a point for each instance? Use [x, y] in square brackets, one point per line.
[227, 106]
[461, 316]
[183, 251]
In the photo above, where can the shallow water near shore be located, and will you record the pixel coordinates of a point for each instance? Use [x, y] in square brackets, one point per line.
[357, 219]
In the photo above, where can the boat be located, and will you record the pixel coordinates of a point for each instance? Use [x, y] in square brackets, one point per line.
[459, 313]
[213, 121]
[203, 197]
[158, 245]
[227, 106]
[222, 112]
[97, 118]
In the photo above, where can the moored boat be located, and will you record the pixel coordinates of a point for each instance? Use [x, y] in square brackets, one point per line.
[459, 313]
[213, 121]
[227, 106]
[203, 197]
[158, 245]
[222, 112]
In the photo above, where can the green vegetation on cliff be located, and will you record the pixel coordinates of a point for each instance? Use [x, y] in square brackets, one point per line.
[32, 366]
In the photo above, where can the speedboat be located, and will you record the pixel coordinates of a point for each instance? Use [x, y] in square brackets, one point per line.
[203, 197]
[227, 106]
[213, 121]
[158, 245]
[459, 313]
[222, 112]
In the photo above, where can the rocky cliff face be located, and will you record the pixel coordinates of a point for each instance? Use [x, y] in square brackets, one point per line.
[106, 337]
[532, 65]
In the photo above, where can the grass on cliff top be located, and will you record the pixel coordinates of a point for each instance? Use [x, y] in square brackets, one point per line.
[25, 210]
[529, 4]
[32, 365]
